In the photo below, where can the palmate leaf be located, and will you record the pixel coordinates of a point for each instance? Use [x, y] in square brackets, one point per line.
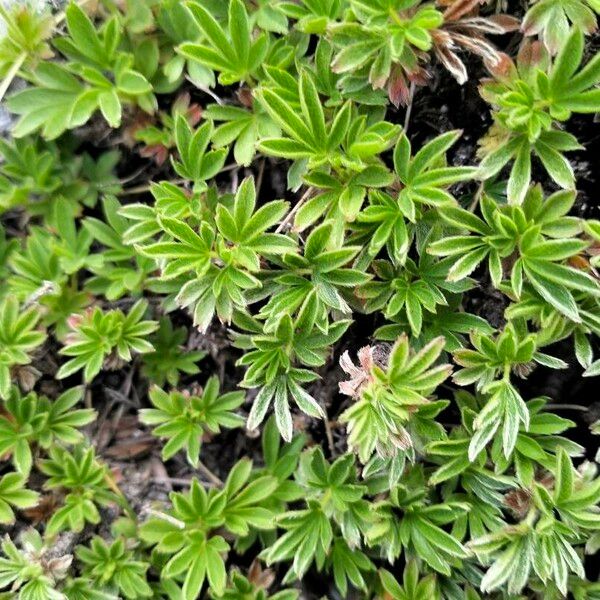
[245, 226]
[432, 543]
[419, 531]
[14, 494]
[272, 356]
[336, 486]
[316, 137]
[484, 489]
[277, 393]
[528, 103]
[231, 51]
[548, 148]
[414, 586]
[574, 497]
[573, 89]
[309, 135]
[119, 269]
[414, 290]
[308, 538]
[189, 251]
[349, 566]
[526, 549]
[43, 107]
[84, 39]
[201, 559]
[32, 420]
[505, 410]
[24, 41]
[19, 337]
[242, 128]
[387, 400]
[219, 291]
[489, 366]
[386, 222]
[170, 358]
[543, 248]
[425, 176]
[335, 198]
[219, 261]
[22, 575]
[197, 163]
[383, 40]
[313, 17]
[542, 541]
[536, 446]
[556, 284]
[98, 334]
[85, 481]
[444, 323]
[550, 20]
[183, 420]
[186, 532]
[113, 566]
[512, 566]
[65, 96]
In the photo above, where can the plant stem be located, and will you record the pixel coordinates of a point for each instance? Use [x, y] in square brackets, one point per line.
[329, 435]
[209, 474]
[112, 484]
[411, 95]
[12, 73]
[141, 189]
[168, 518]
[259, 177]
[477, 197]
[294, 210]
[579, 407]
[208, 91]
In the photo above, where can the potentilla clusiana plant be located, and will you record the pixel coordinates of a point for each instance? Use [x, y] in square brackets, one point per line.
[299, 299]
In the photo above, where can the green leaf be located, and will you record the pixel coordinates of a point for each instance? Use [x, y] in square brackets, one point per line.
[110, 106]
[312, 109]
[84, 34]
[563, 481]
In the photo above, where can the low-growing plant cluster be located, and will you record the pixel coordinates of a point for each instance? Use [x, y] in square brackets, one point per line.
[281, 317]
